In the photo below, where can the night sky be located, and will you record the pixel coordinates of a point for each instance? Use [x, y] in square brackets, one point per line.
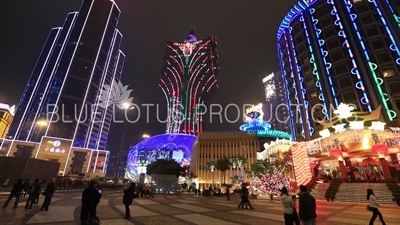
[246, 32]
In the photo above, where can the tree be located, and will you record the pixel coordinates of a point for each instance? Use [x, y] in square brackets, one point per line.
[165, 166]
[223, 165]
[271, 183]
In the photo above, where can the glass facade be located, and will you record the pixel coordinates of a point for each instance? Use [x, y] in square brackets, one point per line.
[340, 51]
[76, 63]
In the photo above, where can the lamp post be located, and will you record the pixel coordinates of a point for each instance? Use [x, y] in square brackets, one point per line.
[126, 106]
[212, 173]
[145, 136]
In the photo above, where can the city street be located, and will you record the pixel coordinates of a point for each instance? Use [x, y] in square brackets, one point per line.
[185, 210]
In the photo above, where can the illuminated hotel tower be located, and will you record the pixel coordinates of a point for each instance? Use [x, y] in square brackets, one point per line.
[276, 110]
[189, 81]
[340, 51]
[76, 61]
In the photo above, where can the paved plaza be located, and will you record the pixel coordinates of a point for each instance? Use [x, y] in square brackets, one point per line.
[185, 210]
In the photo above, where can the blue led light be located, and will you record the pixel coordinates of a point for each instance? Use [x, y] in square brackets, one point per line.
[301, 80]
[359, 85]
[372, 66]
[286, 84]
[166, 146]
[294, 85]
[255, 126]
[324, 54]
[272, 134]
[292, 14]
[396, 17]
[393, 46]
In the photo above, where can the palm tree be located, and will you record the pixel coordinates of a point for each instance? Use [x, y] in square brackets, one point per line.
[211, 166]
[223, 165]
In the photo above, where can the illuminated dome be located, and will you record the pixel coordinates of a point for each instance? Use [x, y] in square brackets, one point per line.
[191, 38]
[164, 146]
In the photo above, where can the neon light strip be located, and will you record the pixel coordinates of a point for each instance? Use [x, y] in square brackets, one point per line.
[51, 76]
[359, 85]
[286, 86]
[292, 14]
[92, 73]
[321, 96]
[393, 46]
[294, 84]
[50, 53]
[69, 66]
[103, 81]
[324, 54]
[301, 80]
[396, 17]
[95, 162]
[115, 69]
[372, 66]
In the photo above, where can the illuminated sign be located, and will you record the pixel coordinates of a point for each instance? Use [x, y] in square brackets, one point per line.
[10, 109]
[54, 145]
[269, 77]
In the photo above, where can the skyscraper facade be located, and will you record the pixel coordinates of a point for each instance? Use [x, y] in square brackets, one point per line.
[276, 112]
[340, 51]
[77, 62]
[189, 81]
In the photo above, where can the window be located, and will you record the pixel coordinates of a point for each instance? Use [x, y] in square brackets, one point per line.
[322, 11]
[341, 68]
[372, 31]
[302, 48]
[388, 73]
[361, 7]
[333, 43]
[330, 33]
[393, 87]
[367, 19]
[313, 95]
[377, 44]
[345, 82]
[336, 56]
[398, 104]
[383, 57]
[326, 22]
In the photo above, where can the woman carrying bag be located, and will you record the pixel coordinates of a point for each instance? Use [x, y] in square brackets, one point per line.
[289, 210]
[129, 195]
[373, 206]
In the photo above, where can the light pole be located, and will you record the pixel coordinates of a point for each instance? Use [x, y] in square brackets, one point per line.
[126, 106]
[145, 136]
[212, 173]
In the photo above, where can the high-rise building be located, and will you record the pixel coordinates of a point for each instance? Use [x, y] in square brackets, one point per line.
[340, 51]
[189, 81]
[6, 117]
[276, 112]
[77, 62]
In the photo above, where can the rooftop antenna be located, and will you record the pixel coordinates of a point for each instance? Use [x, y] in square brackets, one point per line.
[192, 29]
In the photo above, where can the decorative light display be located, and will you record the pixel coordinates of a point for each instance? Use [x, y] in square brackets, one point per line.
[271, 183]
[325, 133]
[393, 46]
[164, 146]
[189, 75]
[359, 85]
[321, 96]
[301, 166]
[300, 81]
[269, 86]
[340, 127]
[372, 66]
[280, 145]
[286, 84]
[377, 126]
[324, 54]
[356, 125]
[296, 95]
[395, 16]
[256, 125]
[344, 111]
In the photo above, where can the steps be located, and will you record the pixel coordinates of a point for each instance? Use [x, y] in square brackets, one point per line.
[357, 192]
[319, 191]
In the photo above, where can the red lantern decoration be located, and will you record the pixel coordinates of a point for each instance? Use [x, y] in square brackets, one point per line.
[380, 149]
[369, 162]
[313, 165]
[335, 152]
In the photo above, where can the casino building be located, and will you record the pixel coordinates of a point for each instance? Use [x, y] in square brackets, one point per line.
[340, 51]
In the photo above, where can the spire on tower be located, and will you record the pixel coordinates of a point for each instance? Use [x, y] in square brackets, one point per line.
[191, 29]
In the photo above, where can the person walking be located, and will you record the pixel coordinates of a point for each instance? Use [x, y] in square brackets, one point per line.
[373, 206]
[289, 210]
[90, 199]
[245, 198]
[307, 207]
[48, 193]
[33, 193]
[227, 193]
[15, 193]
[129, 194]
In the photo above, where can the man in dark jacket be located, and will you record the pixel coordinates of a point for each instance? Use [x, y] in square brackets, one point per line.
[50, 189]
[90, 198]
[34, 192]
[15, 193]
[129, 195]
[307, 207]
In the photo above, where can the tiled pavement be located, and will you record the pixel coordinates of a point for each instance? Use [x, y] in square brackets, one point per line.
[187, 210]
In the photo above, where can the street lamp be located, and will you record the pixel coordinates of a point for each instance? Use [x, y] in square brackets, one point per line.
[126, 106]
[40, 124]
[145, 136]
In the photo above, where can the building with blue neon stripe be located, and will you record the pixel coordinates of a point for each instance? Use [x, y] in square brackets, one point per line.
[76, 62]
[340, 51]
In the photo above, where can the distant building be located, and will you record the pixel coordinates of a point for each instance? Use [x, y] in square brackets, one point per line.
[276, 110]
[6, 118]
[211, 146]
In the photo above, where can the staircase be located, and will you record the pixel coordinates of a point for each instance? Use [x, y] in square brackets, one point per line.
[357, 192]
[319, 191]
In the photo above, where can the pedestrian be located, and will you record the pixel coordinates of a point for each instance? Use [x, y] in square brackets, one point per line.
[48, 194]
[373, 206]
[289, 209]
[15, 193]
[33, 192]
[129, 194]
[245, 198]
[90, 199]
[228, 193]
[307, 207]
